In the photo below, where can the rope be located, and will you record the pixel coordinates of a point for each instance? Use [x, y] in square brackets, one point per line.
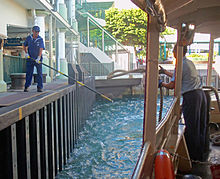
[191, 160]
[124, 72]
[161, 104]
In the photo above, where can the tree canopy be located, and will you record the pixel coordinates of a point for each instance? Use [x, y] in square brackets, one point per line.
[129, 26]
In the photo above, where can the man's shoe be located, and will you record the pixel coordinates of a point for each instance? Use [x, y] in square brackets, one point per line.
[39, 90]
[26, 89]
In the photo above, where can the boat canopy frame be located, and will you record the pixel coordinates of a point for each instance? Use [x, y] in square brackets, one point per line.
[204, 15]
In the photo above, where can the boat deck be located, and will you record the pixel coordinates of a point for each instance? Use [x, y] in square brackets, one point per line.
[203, 169]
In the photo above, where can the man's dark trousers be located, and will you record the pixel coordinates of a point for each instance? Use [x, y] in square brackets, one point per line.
[30, 69]
[195, 115]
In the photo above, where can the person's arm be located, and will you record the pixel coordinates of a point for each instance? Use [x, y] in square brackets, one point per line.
[39, 55]
[26, 51]
[170, 74]
[164, 71]
[40, 52]
[169, 85]
[25, 48]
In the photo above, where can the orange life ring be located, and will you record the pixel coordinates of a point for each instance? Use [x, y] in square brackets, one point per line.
[163, 165]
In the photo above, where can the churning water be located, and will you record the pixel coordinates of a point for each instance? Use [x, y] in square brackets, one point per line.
[110, 142]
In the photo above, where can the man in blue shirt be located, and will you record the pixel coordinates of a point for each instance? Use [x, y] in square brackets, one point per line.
[33, 47]
[194, 106]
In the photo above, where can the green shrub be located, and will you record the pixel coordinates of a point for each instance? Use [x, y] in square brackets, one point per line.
[198, 57]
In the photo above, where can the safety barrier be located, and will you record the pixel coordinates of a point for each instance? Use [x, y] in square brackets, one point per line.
[203, 77]
[37, 138]
[98, 69]
[13, 64]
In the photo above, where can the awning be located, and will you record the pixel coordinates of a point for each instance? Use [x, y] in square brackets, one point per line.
[202, 13]
[154, 8]
[18, 31]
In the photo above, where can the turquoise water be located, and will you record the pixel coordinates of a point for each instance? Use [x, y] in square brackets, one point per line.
[110, 142]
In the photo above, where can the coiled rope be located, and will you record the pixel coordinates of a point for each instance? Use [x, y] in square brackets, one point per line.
[161, 104]
[124, 72]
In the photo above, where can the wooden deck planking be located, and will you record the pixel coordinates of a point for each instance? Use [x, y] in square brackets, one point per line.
[20, 96]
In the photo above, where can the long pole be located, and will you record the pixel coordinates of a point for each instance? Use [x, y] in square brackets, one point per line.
[82, 84]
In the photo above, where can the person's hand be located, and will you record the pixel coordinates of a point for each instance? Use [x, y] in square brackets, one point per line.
[38, 59]
[162, 70]
[160, 83]
[27, 55]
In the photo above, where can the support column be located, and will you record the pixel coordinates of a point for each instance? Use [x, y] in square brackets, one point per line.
[151, 85]
[74, 24]
[71, 13]
[3, 85]
[78, 58]
[62, 62]
[179, 64]
[210, 60]
[74, 50]
[51, 45]
[178, 79]
[150, 111]
[61, 8]
[40, 21]
[88, 32]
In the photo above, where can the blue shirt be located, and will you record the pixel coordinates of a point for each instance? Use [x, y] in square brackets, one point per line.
[190, 77]
[34, 46]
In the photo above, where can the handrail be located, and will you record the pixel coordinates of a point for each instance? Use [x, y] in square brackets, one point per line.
[11, 56]
[166, 117]
[99, 26]
[140, 164]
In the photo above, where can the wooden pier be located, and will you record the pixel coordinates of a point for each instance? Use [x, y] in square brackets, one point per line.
[39, 132]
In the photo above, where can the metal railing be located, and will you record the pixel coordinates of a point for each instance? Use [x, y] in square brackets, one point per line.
[203, 77]
[98, 69]
[38, 138]
[13, 64]
[92, 34]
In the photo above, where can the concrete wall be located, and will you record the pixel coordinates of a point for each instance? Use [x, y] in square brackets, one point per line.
[13, 14]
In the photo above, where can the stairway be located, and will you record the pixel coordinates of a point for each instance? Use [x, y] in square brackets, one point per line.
[95, 61]
[99, 51]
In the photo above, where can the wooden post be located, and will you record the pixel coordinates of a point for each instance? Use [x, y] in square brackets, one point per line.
[210, 60]
[178, 77]
[177, 94]
[150, 115]
[152, 82]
